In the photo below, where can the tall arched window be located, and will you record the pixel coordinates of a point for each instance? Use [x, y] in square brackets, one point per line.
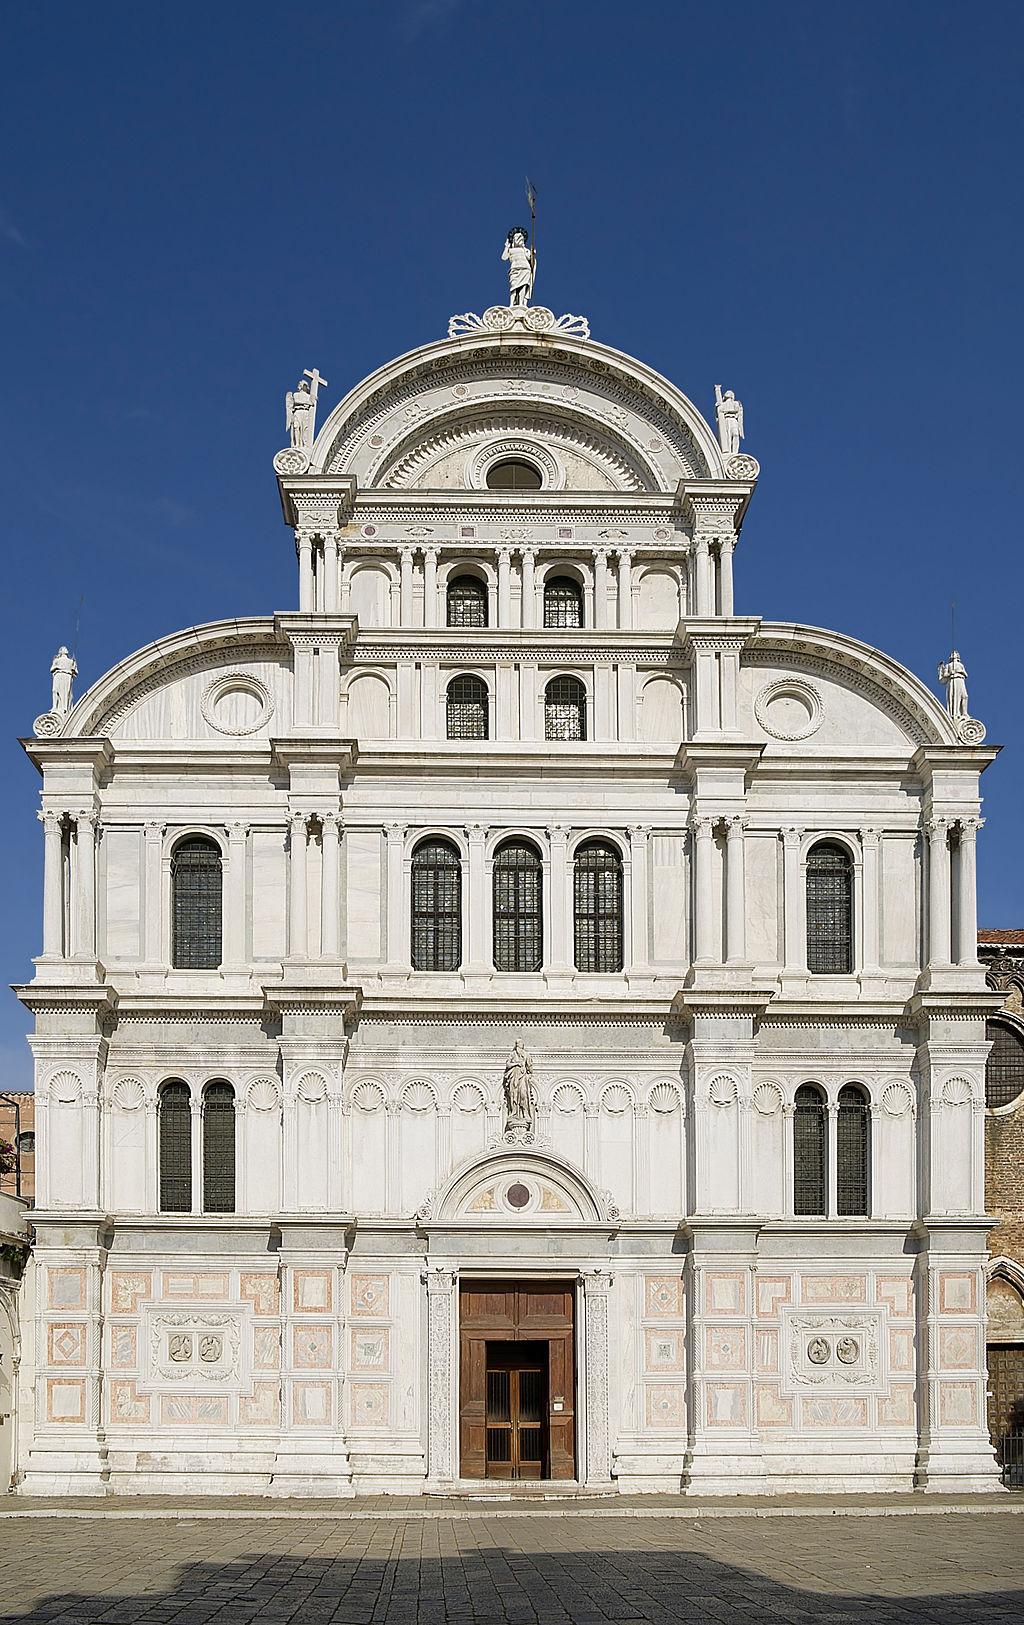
[853, 1124]
[196, 904]
[436, 906]
[829, 909]
[563, 602]
[597, 907]
[218, 1148]
[810, 1127]
[467, 601]
[175, 1131]
[467, 708]
[565, 709]
[1004, 1069]
[518, 919]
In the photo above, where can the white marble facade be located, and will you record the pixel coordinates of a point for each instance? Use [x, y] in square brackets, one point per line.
[308, 1342]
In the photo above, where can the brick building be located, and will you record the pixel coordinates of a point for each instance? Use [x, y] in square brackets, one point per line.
[1002, 954]
[18, 1125]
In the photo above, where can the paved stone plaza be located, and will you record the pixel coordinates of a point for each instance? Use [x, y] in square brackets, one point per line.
[138, 1566]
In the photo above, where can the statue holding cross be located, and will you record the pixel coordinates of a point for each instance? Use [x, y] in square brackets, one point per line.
[300, 408]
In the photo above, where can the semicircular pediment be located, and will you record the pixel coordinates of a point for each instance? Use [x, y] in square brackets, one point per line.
[513, 1186]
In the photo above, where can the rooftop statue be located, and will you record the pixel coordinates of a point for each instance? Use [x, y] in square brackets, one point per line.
[63, 671]
[730, 420]
[300, 409]
[522, 267]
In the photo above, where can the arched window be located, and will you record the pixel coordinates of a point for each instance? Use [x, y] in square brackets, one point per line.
[218, 1148]
[829, 909]
[853, 1123]
[467, 601]
[518, 921]
[810, 1122]
[467, 708]
[563, 602]
[1004, 1069]
[597, 907]
[565, 709]
[175, 1128]
[512, 474]
[196, 904]
[436, 906]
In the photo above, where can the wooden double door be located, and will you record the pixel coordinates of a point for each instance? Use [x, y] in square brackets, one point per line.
[517, 1401]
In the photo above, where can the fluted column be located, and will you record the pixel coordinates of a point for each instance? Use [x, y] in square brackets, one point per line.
[329, 900]
[405, 574]
[702, 829]
[736, 903]
[504, 586]
[85, 856]
[529, 588]
[53, 886]
[304, 542]
[430, 586]
[938, 891]
[625, 589]
[793, 897]
[298, 933]
[967, 893]
[600, 587]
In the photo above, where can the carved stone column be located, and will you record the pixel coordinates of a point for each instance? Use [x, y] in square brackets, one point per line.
[441, 1369]
[967, 893]
[938, 892]
[330, 936]
[298, 932]
[702, 831]
[85, 854]
[736, 903]
[53, 886]
[596, 1289]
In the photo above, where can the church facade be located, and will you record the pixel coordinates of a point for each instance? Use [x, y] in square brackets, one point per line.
[511, 1017]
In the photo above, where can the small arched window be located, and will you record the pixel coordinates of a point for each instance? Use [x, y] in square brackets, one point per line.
[810, 1125]
[436, 906]
[218, 1148]
[512, 474]
[597, 907]
[467, 601]
[467, 708]
[563, 602]
[175, 1131]
[829, 910]
[565, 709]
[196, 904]
[853, 1124]
[1004, 1069]
[518, 919]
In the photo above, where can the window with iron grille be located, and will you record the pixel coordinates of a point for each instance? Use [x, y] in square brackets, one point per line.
[563, 602]
[467, 708]
[597, 907]
[518, 924]
[810, 1126]
[565, 709]
[467, 601]
[436, 906]
[196, 904]
[829, 910]
[1004, 1069]
[175, 1131]
[218, 1148]
[511, 474]
[853, 1124]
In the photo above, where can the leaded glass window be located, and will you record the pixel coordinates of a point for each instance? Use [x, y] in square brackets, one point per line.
[518, 922]
[565, 709]
[218, 1148]
[829, 910]
[597, 907]
[196, 904]
[467, 708]
[853, 1125]
[436, 906]
[467, 601]
[810, 1127]
[563, 602]
[1004, 1069]
[175, 1132]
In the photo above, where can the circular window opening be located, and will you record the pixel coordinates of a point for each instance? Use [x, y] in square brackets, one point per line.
[517, 1195]
[513, 475]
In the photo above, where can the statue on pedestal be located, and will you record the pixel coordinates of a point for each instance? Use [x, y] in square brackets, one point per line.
[730, 420]
[522, 267]
[63, 671]
[520, 1090]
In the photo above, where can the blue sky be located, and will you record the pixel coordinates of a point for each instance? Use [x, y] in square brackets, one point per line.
[817, 204]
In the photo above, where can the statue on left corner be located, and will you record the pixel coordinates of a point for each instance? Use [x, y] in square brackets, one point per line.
[63, 671]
